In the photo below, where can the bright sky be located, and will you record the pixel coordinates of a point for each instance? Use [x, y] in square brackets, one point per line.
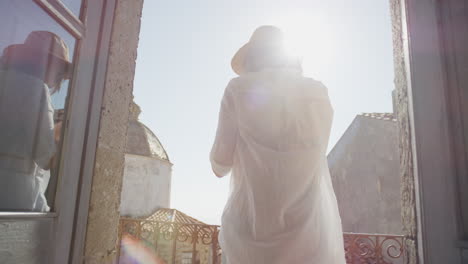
[183, 67]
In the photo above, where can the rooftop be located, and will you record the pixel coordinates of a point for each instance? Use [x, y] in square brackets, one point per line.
[380, 116]
[173, 216]
[171, 220]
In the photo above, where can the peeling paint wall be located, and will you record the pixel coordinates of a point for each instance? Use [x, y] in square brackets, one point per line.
[146, 186]
[103, 218]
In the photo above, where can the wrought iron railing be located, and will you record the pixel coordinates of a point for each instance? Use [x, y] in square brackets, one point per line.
[150, 234]
[359, 248]
[374, 248]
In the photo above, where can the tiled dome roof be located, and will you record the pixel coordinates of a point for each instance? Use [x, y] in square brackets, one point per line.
[141, 140]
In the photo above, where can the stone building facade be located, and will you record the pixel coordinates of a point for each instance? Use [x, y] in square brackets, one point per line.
[146, 184]
[364, 166]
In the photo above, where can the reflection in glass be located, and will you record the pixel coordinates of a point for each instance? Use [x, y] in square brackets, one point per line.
[73, 5]
[35, 61]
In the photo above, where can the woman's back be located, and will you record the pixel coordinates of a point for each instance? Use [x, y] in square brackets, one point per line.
[273, 132]
[282, 110]
[283, 122]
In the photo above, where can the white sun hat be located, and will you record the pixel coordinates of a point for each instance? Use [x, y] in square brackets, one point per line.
[262, 36]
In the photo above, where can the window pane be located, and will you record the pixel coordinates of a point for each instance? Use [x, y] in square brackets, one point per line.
[73, 5]
[35, 62]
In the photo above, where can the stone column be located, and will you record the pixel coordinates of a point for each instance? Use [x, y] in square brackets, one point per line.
[401, 109]
[103, 219]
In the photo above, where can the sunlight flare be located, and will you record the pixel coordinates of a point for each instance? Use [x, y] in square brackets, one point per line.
[309, 38]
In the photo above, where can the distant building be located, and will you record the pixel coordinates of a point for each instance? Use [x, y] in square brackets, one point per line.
[147, 172]
[364, 166]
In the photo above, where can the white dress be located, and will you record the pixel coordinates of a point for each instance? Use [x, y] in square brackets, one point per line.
[26, 141]
[273, 132]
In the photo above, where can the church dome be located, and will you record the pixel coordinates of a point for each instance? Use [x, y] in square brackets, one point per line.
[141, 140]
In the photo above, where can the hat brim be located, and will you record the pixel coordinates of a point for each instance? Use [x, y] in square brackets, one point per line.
[22, 53]
[238, 61]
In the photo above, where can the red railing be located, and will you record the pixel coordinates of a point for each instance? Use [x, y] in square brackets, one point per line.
[374, 248]
[359, 248]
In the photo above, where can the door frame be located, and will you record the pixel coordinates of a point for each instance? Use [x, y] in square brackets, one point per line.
[83, 117]
[68, 221]
[435, 178]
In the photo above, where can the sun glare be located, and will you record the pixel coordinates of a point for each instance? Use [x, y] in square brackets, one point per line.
[310, 39]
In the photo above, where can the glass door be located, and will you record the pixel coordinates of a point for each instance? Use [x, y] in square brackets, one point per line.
[46, 84]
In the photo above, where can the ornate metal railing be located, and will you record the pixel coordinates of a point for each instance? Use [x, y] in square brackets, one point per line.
[359, 248]
[374, 248]
[146, 237]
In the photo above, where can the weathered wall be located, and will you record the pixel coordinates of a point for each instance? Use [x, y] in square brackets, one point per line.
[103, 218]
[400, 59]
[364, 169]
[146, 186]
[22, 241]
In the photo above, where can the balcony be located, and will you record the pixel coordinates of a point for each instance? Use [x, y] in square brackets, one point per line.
[167, 240]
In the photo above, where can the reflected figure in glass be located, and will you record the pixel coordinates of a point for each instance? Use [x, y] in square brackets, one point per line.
[29, 73]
